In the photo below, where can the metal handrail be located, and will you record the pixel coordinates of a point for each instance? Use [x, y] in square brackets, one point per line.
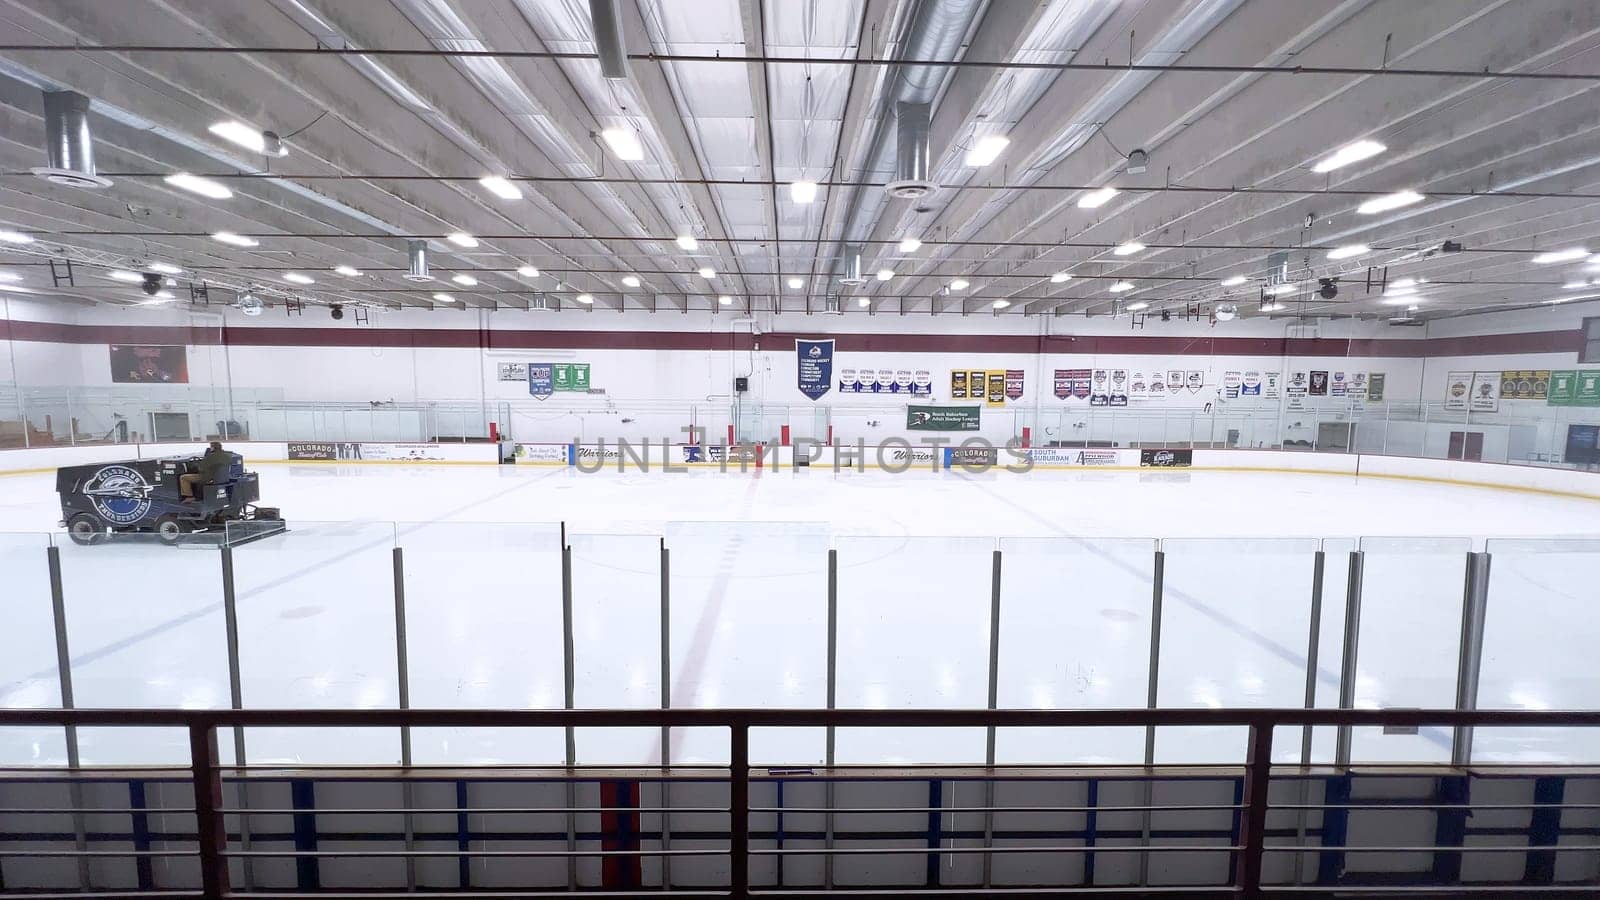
[207, 772]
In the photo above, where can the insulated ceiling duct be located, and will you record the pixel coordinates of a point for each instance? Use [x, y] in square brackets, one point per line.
[850, 266]
[68, 144]
[418, 252]
[913, 159]
[608, 41]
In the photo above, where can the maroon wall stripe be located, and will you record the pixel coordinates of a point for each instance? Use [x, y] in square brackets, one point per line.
[1086, 344]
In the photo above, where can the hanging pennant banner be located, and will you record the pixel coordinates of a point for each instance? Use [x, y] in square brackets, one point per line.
[814, 367]
[1013, 384]
[541, 380]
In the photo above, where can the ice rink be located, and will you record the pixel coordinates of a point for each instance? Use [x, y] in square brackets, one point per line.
[747, 609]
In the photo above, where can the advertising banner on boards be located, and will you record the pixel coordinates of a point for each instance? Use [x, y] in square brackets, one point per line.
[942, 418]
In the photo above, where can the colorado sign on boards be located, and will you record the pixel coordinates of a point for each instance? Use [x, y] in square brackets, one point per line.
[814, 367]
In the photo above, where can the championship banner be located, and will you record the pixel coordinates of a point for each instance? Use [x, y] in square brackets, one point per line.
[942, 418]
[1099, 388]
[848, 382]
[1319, 384]
[1271, 385]
[570, 376]
[1014, 384]
[1138, 388]
[1174, 382]
[1158, 385]
[1195, 380]
[1563, 388]
[511, 371]
[541, 380]
[1063, 384]
[1587, 389]
[958, 385]
[1073, 384]
[1251, 385]
[922, 383]
[902, 382]
[1525, 385]
[1375, 385]
[1119, 387]
[1457, 388]
[1358, 386]
[997, 388]
[1231, 382]
[1485, 392]
[1338, 387]
[1296, 391]
[814, 367]
[882, 382]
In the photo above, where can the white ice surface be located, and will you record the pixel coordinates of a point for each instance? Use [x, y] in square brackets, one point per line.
[748, 610]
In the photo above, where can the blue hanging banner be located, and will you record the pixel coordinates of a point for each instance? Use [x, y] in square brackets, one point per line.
[814, 363]
[541, 380]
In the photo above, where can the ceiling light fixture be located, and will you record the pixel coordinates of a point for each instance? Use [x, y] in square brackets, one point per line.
[238, 240]
[803, 191]
[1060, 278]
[796, 284]
[863, 301]
[687, 242]
[15, 237]
[1349, 153]
[585, 299]
[1560, 256]
[347, 271]
[960, 284]
[161, 297]
[725, 300]
[464, 279]
[1398, 300]
[1273, 290]
[124, 275]
[1234, 281]
[444, 298]
[298, 278]
[1389, 201]
[1577, 285]
[1272, 307]
[707, 272]
[1402, 283]
[1097, 199]
[1121, 286]
[1348, 250]
[264, 142]
[630, 281]
[910, 245]
[885, 274]
[194, 184]
[1136, 307]
[1127, 249]
[624, 142]
[10, 277]
[987, 150]
[164, 268]
[500, 187]
[1001, 304]
[528, 271]
[462, 239]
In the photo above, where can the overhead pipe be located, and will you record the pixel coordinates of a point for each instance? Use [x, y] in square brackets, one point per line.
[913, 158]
[417, 252]
[937, 31]
[69, 145]
[608, 42]
[850, 266]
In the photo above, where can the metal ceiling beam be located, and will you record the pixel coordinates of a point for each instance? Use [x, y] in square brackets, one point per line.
[775, 60]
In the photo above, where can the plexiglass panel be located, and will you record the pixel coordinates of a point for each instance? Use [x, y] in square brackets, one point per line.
[1235, 627]
[616, 624]
[484, 631]
[1074, 634]
[913, 634]
[1539, 641]
[317, 631]
[145, 627]
[28, 676]
[749, 619]
[1411, 590]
